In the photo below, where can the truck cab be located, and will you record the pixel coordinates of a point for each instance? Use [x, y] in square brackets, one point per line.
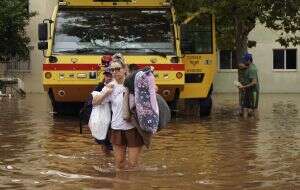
[146, 32]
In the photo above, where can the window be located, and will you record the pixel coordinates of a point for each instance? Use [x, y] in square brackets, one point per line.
[196, 36]
[285, 59]
[109, 31]
[227, 59]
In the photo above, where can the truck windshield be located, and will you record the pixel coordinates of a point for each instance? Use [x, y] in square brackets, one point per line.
[99, 31]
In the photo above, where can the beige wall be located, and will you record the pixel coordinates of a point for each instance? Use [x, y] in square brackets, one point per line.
[44, 8]
[271, 81]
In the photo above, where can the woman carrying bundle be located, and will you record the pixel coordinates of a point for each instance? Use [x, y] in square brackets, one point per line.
[124, 136]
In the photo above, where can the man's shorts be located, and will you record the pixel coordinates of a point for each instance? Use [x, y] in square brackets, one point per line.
[250, 99]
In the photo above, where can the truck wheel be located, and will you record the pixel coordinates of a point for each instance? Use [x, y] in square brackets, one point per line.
[173, 107]
[173, 104]
[205, 106]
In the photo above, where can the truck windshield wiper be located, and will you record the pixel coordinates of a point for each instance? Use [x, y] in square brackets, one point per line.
[159, 53]
[106, 50]
[79, 50]
[84, 50]
[155, 52]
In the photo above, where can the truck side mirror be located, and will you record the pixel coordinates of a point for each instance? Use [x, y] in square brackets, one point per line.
[43, 31]
[186, 40]
[43, 45]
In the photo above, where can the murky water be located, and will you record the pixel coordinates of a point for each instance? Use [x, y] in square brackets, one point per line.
[224, 151]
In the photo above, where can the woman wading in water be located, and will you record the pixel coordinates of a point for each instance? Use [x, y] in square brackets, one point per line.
[124, 136]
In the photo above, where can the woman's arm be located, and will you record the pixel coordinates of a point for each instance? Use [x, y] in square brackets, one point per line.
[98, 99]
[125, 106]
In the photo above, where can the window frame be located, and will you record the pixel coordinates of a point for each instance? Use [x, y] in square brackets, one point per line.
[285, 60]
[231, 70]
[211, 38]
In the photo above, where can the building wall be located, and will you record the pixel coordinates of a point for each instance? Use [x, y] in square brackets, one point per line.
[44, 8]
[271, 81]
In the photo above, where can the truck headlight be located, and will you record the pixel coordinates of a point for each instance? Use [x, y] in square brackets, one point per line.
[48, 75]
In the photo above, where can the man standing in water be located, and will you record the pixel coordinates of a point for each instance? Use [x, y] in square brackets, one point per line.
[251, 87]
[241, 79]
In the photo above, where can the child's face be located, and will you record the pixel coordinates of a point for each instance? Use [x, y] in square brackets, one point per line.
[107, 78]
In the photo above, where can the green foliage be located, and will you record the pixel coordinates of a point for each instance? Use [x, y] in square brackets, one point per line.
[282, 16]
[14, 17]
[186, 8]
[237, 18]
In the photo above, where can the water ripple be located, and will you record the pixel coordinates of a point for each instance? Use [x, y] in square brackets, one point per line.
[223, 151]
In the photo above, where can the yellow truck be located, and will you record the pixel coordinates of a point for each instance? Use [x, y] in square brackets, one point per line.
[146, 32]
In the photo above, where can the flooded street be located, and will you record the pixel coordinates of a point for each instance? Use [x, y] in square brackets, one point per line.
[224, 151]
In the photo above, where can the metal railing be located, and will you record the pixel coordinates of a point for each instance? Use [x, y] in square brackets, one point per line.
[18, 66]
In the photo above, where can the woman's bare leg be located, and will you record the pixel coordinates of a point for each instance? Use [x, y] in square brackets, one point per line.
[133, 156]
[120, 156]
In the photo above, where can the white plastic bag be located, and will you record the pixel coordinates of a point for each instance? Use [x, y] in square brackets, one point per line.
[100, 119]
[237, 84]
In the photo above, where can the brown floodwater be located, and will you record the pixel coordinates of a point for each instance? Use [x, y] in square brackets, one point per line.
[224, 151]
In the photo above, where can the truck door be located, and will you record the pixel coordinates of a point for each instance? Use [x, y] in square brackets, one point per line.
[198, 54]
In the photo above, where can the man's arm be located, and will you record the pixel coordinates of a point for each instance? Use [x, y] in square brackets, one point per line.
[253, 83]
[253, 78]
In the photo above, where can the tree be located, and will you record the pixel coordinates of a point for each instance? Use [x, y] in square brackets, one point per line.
[237, 18]
[14, 17]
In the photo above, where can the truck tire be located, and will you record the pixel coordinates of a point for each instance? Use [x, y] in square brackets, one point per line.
[173, 104]
[173, 107]
[205, 106]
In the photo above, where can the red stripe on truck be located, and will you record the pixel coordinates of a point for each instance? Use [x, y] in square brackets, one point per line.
[71, 66]
[95, 67]
[164, 67]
